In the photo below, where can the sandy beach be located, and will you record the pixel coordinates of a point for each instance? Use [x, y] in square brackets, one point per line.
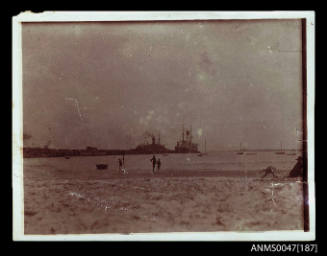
[169, 201]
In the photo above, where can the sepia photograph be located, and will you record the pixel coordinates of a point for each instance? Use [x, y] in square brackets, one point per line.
[163, 123]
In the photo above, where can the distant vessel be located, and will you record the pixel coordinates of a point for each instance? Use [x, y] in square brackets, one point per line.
[281, 152]
[185, 145]
[154, 148]
[245, 152]
[241, 152]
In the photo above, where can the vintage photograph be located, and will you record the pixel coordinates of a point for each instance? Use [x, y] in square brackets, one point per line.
[159, 126]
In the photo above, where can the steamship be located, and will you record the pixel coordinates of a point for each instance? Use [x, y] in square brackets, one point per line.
[185, 145]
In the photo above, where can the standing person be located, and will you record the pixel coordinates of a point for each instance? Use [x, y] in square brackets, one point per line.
[123, 164]
[158, 164]
[154, 161]
[120, 163]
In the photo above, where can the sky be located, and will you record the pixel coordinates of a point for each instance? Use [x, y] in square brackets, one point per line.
[107, 84]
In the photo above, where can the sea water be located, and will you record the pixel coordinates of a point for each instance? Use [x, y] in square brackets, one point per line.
[215, 161]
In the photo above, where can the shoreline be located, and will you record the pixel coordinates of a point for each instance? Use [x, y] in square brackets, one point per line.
[44, 153]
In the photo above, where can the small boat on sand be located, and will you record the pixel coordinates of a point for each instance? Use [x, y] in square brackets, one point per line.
[240, 152]
[102, 166]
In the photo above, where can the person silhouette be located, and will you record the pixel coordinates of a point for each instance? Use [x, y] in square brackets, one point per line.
[158, 164]
[120, 164]
[154, 161]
